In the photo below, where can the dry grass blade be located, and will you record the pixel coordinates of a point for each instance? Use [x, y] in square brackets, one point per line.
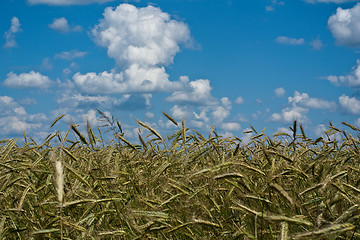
[295, 220]
[350, 126]
[199, 221]
[126, 141]
[114, 233]
[326, 233]
[56, 120]
[150, 129]
[151, 214]
[228, 175]
[284, 232]
[282, 192]
[82, 138]
[170, 118]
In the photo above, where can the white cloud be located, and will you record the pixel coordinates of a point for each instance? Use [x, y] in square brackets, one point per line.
[202, 116]
[46, 64]
[197, 92]
[179, 112]
[231, 126]
[350, 104]
[280, 92]
[67, 2]
[344, 26]
[289, 41]
[91, 117]
[27, 80]
[16, 125]
[226, 102]
[239, 100]
[303, 100]
[290, 114]
[62, 25]
[274, 3]
[14, 118]
[133, 79]
[145, 36]
[75, 101]
[142, 41]
[300, 104]
[220, 113]
[316, 44]
[10, 35]
[70, 55]
[350, 80]
[149, 115]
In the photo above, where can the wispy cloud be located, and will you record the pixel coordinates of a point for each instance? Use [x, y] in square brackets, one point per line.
[70, 55]
[289, 41]
[316, 44]
[273, 4]
[10, 35]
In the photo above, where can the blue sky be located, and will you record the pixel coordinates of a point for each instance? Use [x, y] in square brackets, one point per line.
[230, 63]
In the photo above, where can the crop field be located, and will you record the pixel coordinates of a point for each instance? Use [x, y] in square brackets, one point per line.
[181, 186]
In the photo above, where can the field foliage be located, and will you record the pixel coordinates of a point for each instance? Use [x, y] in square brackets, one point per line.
[183, 186]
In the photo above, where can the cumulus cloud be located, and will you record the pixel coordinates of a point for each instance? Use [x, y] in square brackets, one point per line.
[67, 2]
[196, 92]
[289, 41]
[344, 26]
[300, 104]
[70, 55]
[145, 36]
[62, 25]
[133, 79]
[179, 112]
[27, 80]
[75, 101]
[221, 112]
[142, 41]
[350, 104]
[10, 35]
[290, 114]
[303, 100]
[15, 120]
[350, 80]
[280, 92]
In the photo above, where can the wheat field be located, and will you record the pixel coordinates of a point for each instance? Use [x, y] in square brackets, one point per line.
[182, 186]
